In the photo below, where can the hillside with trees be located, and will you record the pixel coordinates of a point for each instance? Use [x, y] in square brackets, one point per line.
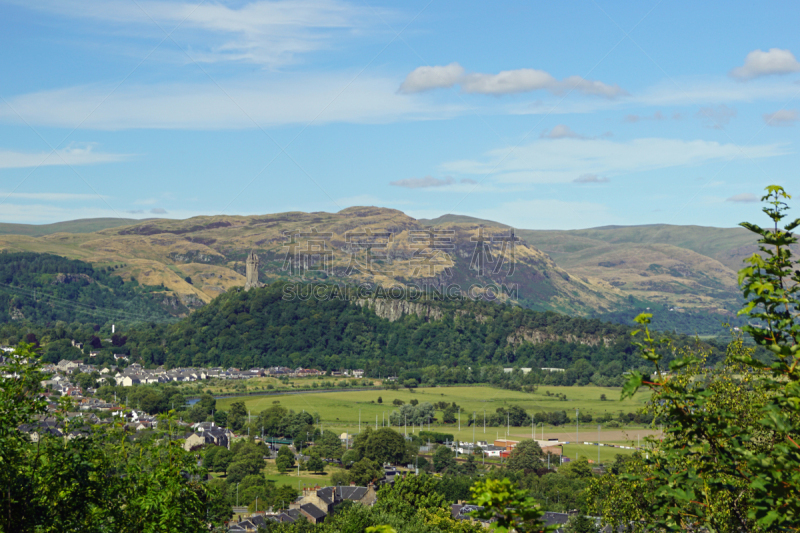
[261, 327]
[45, 288]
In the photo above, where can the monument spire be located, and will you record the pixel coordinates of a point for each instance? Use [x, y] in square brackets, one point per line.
[251, 274]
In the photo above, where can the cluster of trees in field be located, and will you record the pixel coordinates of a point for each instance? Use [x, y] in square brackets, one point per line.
[45, 288]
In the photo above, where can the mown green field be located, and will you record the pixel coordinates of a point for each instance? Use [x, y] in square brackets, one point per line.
[344, 407]
[339, 411]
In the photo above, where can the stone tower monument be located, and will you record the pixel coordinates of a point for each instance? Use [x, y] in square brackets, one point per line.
[252, 272]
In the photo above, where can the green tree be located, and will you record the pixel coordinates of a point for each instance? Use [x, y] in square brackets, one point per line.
[525, 456]
[510, 507]
[349, 457]
[329, 446]
[443, 459]
[237, 416]
[729, 460]
[99, 482]
[577, 469]
[365, 471]
[383, 445]
[315, 464]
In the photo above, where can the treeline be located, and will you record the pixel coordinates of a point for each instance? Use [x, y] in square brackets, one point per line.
[45, 289]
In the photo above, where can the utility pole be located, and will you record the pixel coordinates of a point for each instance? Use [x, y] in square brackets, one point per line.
[508, 425]
[533, 427]
[473, 430]
[577, 423]
[459, 419]
[598, 444]
[359, 421]
[376, 421]
[484, 421]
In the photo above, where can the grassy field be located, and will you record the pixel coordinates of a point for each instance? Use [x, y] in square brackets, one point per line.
[339, 411]
[340, 408]
[264, 384]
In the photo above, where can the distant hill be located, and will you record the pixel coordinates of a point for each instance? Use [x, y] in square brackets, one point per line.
[203, 257]
[459, 219]
[689, 269]
[685, 274]
[46, 289]
[84, 225]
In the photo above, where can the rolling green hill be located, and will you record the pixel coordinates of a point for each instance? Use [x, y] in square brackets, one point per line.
[85, 225]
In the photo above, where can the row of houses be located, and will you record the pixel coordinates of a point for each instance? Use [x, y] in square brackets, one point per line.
[315, 504]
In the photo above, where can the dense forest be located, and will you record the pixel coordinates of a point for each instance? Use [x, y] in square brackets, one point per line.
[452, 340]
[262, 328]
[45, 288]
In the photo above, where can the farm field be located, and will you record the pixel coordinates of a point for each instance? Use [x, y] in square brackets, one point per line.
[341, 408]
[339, 411]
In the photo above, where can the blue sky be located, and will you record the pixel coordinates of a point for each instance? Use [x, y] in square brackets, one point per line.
[551, 115]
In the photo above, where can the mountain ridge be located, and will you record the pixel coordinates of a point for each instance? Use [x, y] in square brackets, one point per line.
[587, 272]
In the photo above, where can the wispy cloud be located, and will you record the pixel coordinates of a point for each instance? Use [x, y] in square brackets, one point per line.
[716, 117]
[276, 100]
[743, 198]
[158, 211]
[590, 178]
[75, 155]
[782, 117]
[563, 160]
[270, 33]
[759, 63]
[430, 181]
[560, 131]
[522, 80]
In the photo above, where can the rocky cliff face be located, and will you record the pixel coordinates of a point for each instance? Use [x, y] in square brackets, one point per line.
[392, 310]
[537, 336]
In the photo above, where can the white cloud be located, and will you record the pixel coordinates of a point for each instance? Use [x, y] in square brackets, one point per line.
[270, 33]
[561, 131]
[427, 78]
[716, 117]
[83, 155]
[560, 160]
[430, 181]
[277, 100]
[422, 183]
[759, 63]
[590, 178]
[506, 82]
[782, 117]
[743, 198]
